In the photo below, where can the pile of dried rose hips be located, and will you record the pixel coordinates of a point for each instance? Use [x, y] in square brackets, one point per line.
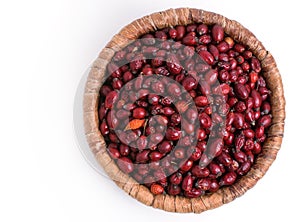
[184, 110]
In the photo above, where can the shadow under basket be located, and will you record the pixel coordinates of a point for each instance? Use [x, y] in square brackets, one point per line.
[168, 18]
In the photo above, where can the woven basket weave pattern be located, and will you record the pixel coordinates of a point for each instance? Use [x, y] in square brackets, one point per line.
[173, 17]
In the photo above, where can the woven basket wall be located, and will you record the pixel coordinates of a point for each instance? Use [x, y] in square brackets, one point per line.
[173, 17]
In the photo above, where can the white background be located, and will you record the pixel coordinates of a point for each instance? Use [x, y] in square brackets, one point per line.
[45, 48]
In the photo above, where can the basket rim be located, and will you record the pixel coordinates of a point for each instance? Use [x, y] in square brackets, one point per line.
[159, 20]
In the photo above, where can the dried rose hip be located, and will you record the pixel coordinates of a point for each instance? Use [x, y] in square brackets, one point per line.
[199, 125]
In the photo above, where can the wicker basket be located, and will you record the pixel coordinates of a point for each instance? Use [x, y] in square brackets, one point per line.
[173, 17]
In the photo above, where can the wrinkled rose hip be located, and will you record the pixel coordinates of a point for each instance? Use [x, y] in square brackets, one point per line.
[149, 126]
